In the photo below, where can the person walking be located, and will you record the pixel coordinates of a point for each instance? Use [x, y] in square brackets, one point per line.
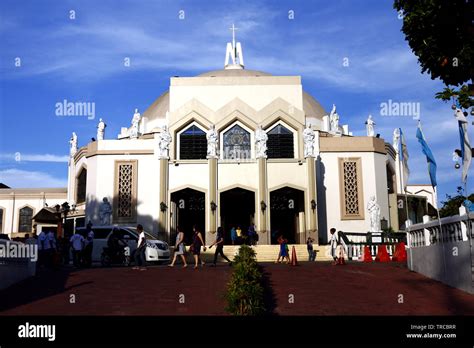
[196, 247]
[41, 249]
[179, 249]
[283, 254]
[309, 247]
[219, 243]
[333, 242]
[233, 235]
[251, 234]
[140, 256]
[50, 248]
[77, 243]
[89, 245]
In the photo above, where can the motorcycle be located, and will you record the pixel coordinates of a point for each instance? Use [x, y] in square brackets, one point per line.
[115, 257]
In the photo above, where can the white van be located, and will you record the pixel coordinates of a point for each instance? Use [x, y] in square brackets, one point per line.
[156, 250]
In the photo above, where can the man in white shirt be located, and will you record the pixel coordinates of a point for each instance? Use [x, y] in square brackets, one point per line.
[77, 244]
[140, 257]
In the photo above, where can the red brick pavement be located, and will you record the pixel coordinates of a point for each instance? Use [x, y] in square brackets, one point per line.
[318, 289]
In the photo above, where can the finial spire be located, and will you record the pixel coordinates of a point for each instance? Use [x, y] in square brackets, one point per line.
[234, 52]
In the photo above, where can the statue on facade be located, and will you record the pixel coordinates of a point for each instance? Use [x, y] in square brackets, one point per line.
[374, 214]
[308, 137]
[261, 139]
[101, 129]
[164, 141]
[396, 139]
[134, 130]
[334, 120]
[212, 142]
[73, 144]
[370, 126]
[105, 212]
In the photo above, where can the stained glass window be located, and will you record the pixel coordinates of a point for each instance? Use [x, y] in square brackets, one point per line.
[236, 143]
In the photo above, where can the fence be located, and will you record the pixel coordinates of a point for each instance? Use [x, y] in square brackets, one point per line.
[442, 250]
[356, 242]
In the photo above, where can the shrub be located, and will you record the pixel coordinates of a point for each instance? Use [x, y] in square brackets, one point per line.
[245, 290]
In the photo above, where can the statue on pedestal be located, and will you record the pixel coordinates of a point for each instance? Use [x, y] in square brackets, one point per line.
[134, 130]
[374, 214]
[212, 142]
[105, 212]
[396, 139]
[164, 141]
[101, 129]
[261, 139]
[73, 144]
[308, 137]
[370, 126]
[334, 119]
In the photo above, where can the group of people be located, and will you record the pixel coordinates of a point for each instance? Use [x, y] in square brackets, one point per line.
[239, 237]
[82, 246]
[195, 248]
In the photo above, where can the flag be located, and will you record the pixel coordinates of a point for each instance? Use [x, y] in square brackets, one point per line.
[466, 152]
[403, 151]
[429, 155]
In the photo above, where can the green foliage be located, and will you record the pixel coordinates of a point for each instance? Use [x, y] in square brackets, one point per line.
[245, 294]
[440, 34]
[452, 204]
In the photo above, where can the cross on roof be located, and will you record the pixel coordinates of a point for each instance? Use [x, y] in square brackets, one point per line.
[233, 34]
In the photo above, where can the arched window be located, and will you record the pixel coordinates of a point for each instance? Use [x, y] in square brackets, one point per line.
[280, 142]
[193, 143]
[26, 219]
[81, 186]
[2, 211]
[236, 143]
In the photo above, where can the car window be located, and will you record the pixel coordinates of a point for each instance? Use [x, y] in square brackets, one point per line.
[129, 235]
[101, 233]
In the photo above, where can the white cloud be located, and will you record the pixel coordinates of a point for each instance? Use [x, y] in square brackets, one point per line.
[20, 157]
[17, 178]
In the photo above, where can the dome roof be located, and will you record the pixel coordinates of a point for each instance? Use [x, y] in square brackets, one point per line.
[160, 106]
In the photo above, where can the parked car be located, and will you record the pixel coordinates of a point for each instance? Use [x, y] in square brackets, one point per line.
[156, 250]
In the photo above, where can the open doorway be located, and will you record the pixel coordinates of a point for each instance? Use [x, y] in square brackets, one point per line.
[237, 209]
[286, 204]
[187, 210]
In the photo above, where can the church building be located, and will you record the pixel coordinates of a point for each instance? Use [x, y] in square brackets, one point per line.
[235, 147]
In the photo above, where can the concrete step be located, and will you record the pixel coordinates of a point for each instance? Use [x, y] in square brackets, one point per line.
[269, 253]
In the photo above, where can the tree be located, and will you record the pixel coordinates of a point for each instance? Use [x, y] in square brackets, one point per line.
[452, 204]
[441, 34]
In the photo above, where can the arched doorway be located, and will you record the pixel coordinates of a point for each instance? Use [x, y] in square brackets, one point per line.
[187, 209]
[286, 208]
[237, 209]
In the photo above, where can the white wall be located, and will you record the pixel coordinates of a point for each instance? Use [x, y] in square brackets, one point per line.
[373, 181]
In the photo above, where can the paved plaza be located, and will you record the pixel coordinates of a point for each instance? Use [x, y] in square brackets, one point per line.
[308, 289]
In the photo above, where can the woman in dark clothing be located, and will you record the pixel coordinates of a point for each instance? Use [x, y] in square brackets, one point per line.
[196, 247]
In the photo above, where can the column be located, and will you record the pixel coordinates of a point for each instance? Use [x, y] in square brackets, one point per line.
[163, 231]
[262, 229]
[212, 207]
[312, 199]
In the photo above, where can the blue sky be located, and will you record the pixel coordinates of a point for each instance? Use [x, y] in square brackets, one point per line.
[82, 59]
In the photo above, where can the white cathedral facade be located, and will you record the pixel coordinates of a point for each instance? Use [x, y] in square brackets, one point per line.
[235, 147]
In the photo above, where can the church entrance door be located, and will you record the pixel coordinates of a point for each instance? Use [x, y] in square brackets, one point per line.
[286, 210]
[237, 209]
[187, 209]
